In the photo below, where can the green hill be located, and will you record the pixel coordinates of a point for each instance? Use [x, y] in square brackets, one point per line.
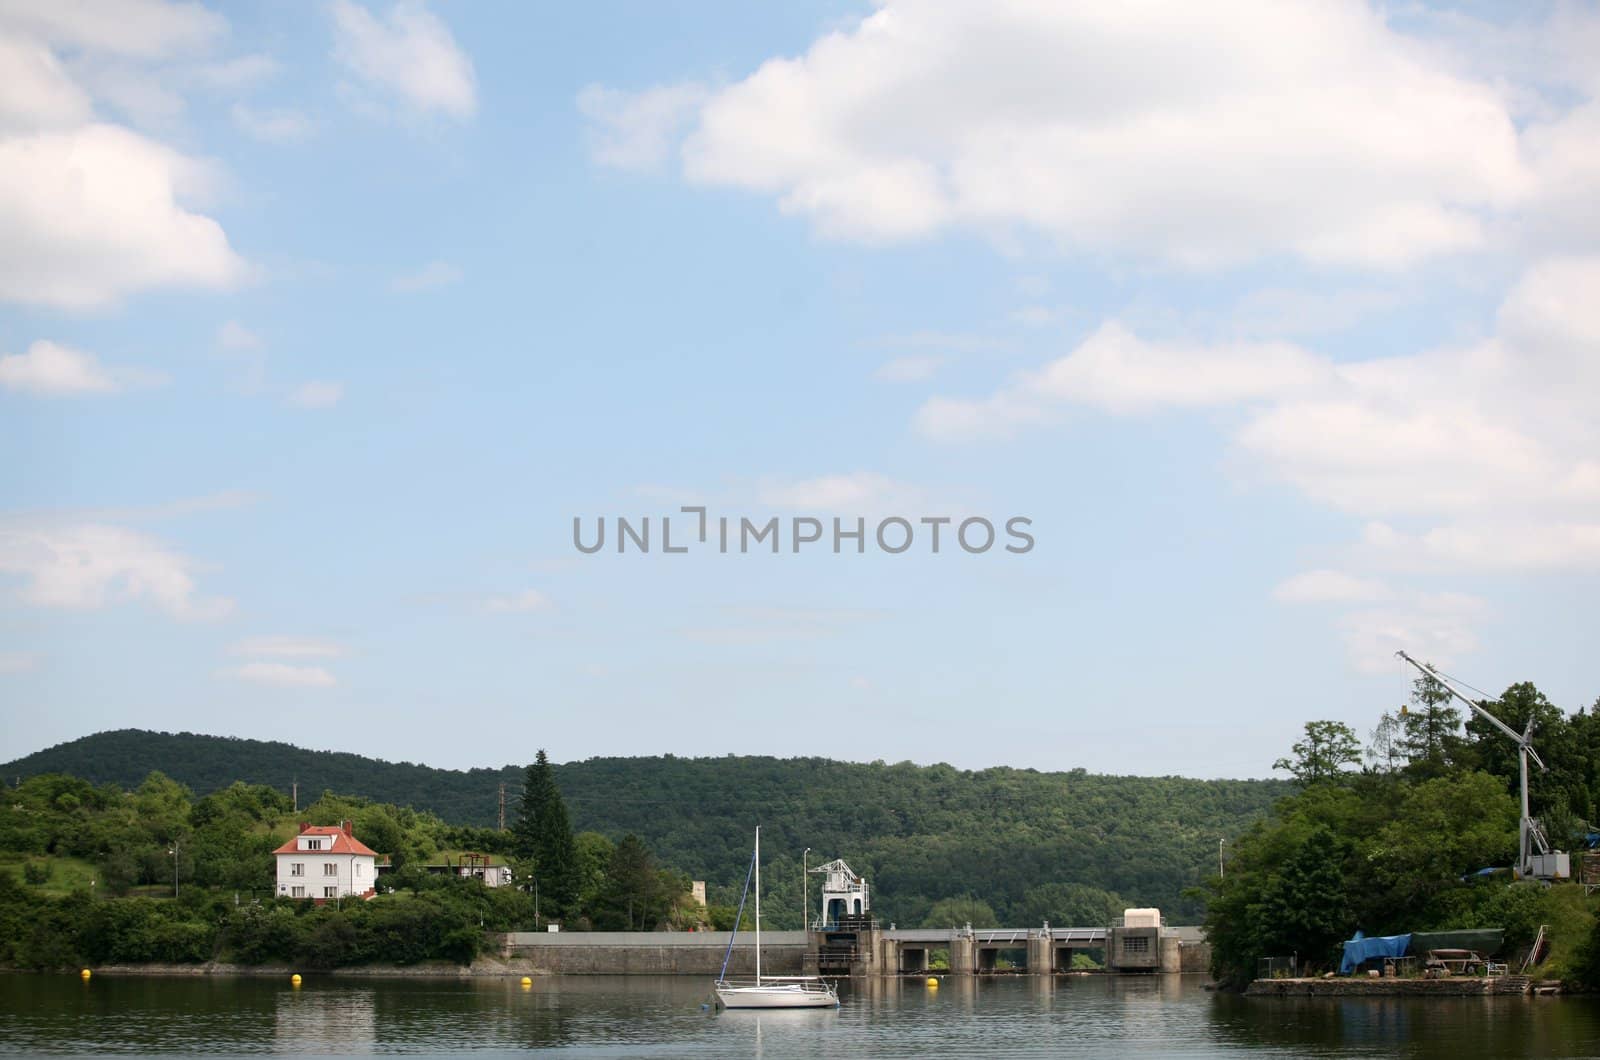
[919, 833]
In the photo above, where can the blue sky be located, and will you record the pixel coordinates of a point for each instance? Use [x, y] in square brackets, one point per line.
[320, 325]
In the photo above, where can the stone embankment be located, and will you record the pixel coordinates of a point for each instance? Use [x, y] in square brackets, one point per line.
[1455, 986]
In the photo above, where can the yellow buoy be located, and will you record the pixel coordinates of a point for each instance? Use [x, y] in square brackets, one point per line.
[295, 979]
[932, 981]
[527, 981]
[86, 973]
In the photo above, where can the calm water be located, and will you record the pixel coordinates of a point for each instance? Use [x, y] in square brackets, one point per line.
[662, 1017]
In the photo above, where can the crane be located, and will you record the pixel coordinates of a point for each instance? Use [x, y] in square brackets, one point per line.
[1529, 833]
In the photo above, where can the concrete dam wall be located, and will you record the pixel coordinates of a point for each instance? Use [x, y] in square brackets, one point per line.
[656, 952]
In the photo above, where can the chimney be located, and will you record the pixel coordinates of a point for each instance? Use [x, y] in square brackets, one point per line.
[349, 828]
[305, 826]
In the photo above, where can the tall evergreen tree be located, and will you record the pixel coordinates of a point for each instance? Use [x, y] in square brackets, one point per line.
[1432, 728]
[543, 835]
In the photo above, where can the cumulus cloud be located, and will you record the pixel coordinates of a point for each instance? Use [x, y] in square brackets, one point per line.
[432, 275]
[410, 53]
[318, 394]
[288, 647]
[518, 603]
[1324, 586]
[48, 368]
[143, 29]
[1198, 136]
[88, 566]
[856, 492]
[1493, 442]
[911, 368]
[638, 130]
[282, 675]
[90, 211]
[1117, 371]
[92, 214]
[274, 125]
[1438, 627]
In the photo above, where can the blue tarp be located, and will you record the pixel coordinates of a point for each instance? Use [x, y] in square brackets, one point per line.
[1361, 949]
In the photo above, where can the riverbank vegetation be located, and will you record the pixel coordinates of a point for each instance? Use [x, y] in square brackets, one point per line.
[1029, 844]
[93, 873]
[1391, 837]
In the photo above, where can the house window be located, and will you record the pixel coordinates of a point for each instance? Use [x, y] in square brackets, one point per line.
[330, 892]
[358, 868]
[298, 892]
[297, 869]
[313, 844]
[330, 869]
[1136, 944]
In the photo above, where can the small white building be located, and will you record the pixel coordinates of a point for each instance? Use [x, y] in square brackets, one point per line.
[326, 862]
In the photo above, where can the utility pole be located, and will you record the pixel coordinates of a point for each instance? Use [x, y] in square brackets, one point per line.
[502, 806]
[296, 789]
[1219, 857]
[174, 853]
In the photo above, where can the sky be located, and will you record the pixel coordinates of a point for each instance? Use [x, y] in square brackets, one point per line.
[1265, 336]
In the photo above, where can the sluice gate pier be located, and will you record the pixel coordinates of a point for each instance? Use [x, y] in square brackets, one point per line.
[859, 946]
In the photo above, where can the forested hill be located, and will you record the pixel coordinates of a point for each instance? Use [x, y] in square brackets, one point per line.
[919, 833]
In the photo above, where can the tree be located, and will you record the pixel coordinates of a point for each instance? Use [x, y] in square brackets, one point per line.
[1328, 747]
[958, 912]
[543, 835]
[1384, 749]
[631, 897]
[1430, 740]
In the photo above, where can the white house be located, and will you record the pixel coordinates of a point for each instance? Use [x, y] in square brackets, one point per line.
[326, 862]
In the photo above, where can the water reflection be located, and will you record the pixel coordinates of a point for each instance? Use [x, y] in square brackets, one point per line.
[1018, 1016]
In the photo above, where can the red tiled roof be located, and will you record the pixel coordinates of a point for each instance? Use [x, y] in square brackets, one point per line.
[343, 843]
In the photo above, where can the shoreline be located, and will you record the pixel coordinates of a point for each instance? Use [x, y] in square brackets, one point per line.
[480, 969]
[1459, 986]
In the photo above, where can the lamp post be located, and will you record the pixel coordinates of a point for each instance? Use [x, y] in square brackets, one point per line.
[805, 891]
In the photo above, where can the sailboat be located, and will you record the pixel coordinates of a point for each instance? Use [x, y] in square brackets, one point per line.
[769, 991]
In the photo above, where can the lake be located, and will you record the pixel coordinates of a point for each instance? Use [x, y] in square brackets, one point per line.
[648, 1016]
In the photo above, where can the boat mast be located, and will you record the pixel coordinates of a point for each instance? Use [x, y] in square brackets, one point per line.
[758, 905]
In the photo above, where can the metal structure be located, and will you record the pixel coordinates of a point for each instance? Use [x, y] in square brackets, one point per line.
[1547, 864]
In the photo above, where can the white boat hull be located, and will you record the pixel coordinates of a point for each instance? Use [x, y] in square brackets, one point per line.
[777, 995]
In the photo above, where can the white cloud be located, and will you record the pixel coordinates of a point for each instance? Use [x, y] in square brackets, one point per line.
[1330, 586]
[857, 492]
[37, 93]
[143, 29]
[1116, 370]
[909, 369]
[1490, 450]
[240, 72]
[318, 394]
[1196, 136]
[1440, 628]
[235, 336]
[410, 52]
[518, 603]
[18, 662]
[282, 675]
[92, 214]
[432, 275]
[288, 647]
[87, 566]
[275, 126]
[48, 368]
[638, 130]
